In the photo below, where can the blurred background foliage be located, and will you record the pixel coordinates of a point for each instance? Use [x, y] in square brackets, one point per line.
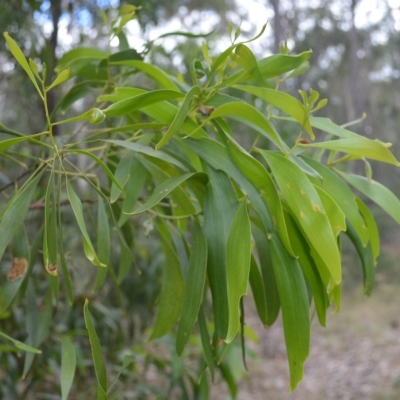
[355, 64]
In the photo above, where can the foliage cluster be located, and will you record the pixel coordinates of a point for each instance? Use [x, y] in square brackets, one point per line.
[157, 178]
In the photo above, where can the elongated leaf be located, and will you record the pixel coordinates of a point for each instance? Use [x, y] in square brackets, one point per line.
[152, 71]
[19, 345]
[216, 155]
[309, 269]
[50, 229]
[172, 292]
[79, 91]
[284, 102]
[62, 77]
[257, 288]
[220, 207]
[136, 182]
[87, 243]
[137, 102]
[343, 196]
[271, 66]
[97, 354]
[308, 210]
[268, 275]
[336, 217]
[103, 242]
[360, 147]
[100, 164]
[19, 56]
[194, 287]
[378, 193]
[15, 212]
[248, 114]
[121, 176]
[180, 117]
[68, 365]
[237, 266]
[85, 54]
[5, 144]
[372, 228]
[148, 151]
[246, 59]
[367, 259]
[165, 188]
[295, 314]
[205, 341]
[262, 181]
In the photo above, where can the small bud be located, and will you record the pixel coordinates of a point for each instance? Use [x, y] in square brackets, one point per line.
[96, 116]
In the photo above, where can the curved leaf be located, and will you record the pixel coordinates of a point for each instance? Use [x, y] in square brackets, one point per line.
[237, 266]
[307, 208]
[194, 286]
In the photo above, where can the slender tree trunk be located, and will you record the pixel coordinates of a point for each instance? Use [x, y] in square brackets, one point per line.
[55, 15]
[278, 30]
[358, 103]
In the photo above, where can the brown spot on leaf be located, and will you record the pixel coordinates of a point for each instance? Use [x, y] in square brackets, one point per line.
[206, 111]
[17, 269]
[52, 269]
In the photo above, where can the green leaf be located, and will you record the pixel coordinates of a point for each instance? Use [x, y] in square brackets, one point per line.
[79, 91]
[121, 175]
[378, 193]
[237, 266]
[205, 341]
[103, 243]
[342, 195]
[62, 77]
[68, 365]
[372, 228]
[257, 288]
[81, 55]
[228, 377]
[152, 71]
[295, 313]
[216, 155]
[220, 206]
[301, 69]
[360, 147]
[50, 229]
[194, 287]
[309, 269]
[307, 208]
[15, 211]
[246, 59]
[149, 152]
[180, 117]
[100, 164]
[172, 292]
[271, 67]
[262, 181]
[78, 212]
[137, 102]
[19, 56]
[97, 354]
[136, 182]
[336, 217]
[5, 144]
[165, 188]
[284, 102]
[268, 275]
[19, 345]
[250, 116]
[367, 259]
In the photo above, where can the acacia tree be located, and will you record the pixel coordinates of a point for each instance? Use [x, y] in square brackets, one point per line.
[168, 161]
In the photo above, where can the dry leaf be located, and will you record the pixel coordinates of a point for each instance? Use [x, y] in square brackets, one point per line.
[17, 269]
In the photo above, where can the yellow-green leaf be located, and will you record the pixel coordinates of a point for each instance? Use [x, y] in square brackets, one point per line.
[308, 209]
[68, 365]
[62, 77]
[237, 266]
